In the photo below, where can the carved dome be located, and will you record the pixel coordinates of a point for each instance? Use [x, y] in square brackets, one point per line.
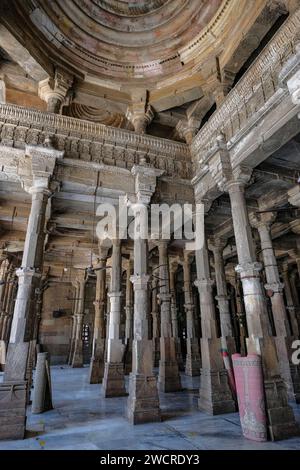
[125, 40]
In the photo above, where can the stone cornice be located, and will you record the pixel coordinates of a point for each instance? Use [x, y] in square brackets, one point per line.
[254, 90]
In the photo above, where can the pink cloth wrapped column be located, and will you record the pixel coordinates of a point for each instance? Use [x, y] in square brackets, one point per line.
[250, 392]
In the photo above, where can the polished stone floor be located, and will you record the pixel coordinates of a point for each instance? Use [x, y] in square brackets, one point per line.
[82, 419]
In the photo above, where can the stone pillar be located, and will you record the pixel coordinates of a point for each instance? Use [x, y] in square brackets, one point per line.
[41, 163]
[289, 299]
[217, 245]
[128, 317]
[193, 359]
[77, 356]
[215, 395]
[280, 416]
[174, 319]
[73, 330]
[98, 351]
[113, 380]
[155, 322]
[168, 376]
[143, 402]
[283, 339]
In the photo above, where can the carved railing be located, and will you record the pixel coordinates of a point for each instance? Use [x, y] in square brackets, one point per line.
[252, 96]
[92, 142]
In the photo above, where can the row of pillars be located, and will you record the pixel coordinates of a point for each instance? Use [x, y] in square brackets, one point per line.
[143, 402]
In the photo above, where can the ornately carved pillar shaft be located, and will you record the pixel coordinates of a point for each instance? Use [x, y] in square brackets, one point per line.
[174, 319]
[168, 377]
[98, 351]
[113, 380]
[128, 317]
[283, 339]
[215, 395]
[193, 359]
[143, 402]
[155, 320]
[289, 300]
[280, 415]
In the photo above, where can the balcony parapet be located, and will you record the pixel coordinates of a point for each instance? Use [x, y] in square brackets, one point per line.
[92, 142]
[261, 88]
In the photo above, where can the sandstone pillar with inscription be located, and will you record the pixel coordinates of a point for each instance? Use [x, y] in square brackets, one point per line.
[193, 358]
[113, 384]
[73, 329]
[143, 401]
[168, 376]
[98, 351]
[37, 173]
[283, 339]
[281, 419]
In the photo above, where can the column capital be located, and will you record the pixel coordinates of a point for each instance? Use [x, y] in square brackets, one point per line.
[28, 272]
[145, 181]
[262, 220]
[250, 269]
[204, 284]
[140, 116]
[187, 129]
[55, 90]
[275, 287]
[140, 282]
[217, 244]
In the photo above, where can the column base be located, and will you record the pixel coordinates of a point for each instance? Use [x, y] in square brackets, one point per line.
[193, 358]
[156, 352]
[281, 420]
[13, 398]
[77, 360]
[168, 376]
[97, 363]
[143, 401]
[113, 384]
[215, 396]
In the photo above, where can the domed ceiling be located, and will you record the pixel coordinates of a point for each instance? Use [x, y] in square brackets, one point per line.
[124, 40]
[179, 57]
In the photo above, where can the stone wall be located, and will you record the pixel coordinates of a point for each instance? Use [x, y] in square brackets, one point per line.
[55, 333]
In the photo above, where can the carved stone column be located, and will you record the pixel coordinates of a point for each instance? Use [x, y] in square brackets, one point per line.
[283, 339]
[174, 319]
[77, 357]
[215, 395]
[193, 359]
[73, 330]
[217, 245]
[143, 402]
[40, 164]
[280, 416]
[155, 322]
[114, 380]
[98, 351]
[128, 317]
[168, 376]
[289, 299]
